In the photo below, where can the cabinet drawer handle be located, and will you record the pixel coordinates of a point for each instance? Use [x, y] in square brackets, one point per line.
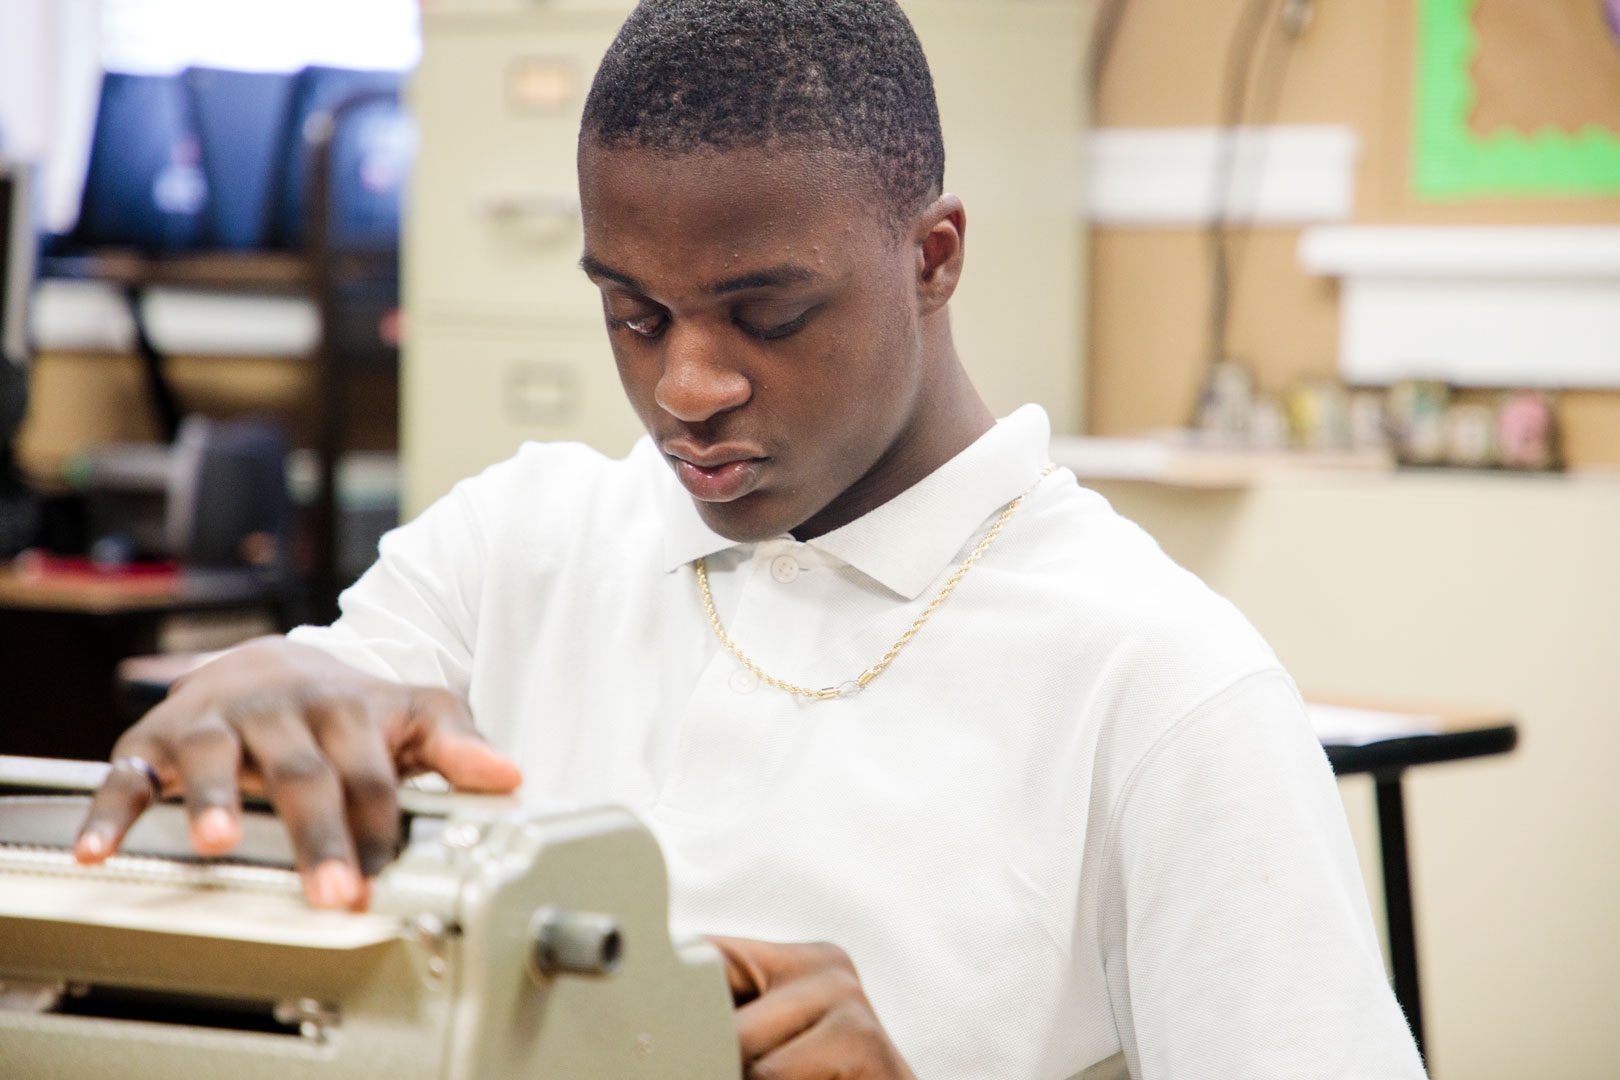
[544, 218]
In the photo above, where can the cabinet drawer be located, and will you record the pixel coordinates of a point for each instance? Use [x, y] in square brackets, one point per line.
[473, 395]
[493, 220]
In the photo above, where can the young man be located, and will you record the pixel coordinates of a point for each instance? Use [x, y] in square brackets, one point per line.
[874, 673]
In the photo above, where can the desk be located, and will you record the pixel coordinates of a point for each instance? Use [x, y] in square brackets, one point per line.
[61, 642]
[1384, 742]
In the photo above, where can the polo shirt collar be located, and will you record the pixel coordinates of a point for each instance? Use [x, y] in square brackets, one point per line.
[906, 543]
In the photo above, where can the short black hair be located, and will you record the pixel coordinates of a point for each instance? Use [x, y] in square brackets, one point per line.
[847, 76]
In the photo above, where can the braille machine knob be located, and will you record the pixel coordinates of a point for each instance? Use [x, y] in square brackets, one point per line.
[573, 943]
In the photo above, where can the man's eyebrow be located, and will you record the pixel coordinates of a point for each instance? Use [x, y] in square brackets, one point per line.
[595, 268]
[772, 277]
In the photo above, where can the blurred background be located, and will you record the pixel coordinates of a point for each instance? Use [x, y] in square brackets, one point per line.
[1323, 293]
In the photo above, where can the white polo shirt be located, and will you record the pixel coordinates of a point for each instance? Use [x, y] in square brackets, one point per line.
[1082, 813]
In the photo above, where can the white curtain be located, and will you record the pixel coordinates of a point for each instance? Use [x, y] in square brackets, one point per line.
[48, 78]
[258, 35]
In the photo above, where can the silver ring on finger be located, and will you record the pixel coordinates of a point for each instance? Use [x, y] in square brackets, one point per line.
[142, 768]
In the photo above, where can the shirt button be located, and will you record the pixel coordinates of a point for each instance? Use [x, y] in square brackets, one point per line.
[744, 681]
[784, 568]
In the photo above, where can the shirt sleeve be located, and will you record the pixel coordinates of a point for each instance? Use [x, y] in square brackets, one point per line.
[413, 616]
[1238, 940]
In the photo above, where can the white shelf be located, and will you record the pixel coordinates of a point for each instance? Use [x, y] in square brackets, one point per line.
[1475, 306]
[1173, 461]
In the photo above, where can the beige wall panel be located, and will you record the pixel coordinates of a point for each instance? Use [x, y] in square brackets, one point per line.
[1151, 315]
[1167, 64]
[1011, 88]
[1148, 318]
[1591, 423]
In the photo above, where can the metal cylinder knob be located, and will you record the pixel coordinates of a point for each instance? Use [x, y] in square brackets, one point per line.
[573, 943]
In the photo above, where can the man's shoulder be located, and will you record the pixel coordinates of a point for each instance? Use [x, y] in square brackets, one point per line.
[569, 462]
[1126, 610]
[567, 478]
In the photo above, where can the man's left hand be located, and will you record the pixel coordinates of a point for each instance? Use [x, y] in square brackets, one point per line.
[802, 1015]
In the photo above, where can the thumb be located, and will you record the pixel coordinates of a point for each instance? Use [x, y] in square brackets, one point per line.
[469, 763]
[441, 738]
[747, 979]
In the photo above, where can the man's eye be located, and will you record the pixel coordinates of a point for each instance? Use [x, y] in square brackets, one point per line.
[772, 331]
[647, 326]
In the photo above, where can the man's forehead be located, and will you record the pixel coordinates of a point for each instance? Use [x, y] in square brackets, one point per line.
[721, 221]
[750, 189]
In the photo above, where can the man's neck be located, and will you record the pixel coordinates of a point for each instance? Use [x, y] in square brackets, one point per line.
[953, 418]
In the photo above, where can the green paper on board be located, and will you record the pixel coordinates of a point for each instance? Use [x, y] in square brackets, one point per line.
[1451, 161]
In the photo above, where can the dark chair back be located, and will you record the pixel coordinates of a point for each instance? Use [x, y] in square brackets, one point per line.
[144, 186]
[241, 118]
[372, 152]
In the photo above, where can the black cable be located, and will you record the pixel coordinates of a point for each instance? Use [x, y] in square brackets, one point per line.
[1105, 32]
[1276, 52]
[1238, 67]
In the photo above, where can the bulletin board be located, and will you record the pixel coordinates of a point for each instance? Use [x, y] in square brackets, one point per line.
[1517, 98]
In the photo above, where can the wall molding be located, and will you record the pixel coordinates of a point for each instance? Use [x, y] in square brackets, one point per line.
[1475, 306]
[1284, 175]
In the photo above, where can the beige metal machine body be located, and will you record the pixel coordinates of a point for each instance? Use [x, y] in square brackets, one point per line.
[500, 944]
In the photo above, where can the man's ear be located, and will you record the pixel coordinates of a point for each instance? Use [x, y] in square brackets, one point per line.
[940, 237]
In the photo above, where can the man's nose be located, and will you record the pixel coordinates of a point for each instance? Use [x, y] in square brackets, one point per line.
[698, 383]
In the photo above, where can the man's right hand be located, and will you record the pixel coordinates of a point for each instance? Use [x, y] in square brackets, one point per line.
[324, 742]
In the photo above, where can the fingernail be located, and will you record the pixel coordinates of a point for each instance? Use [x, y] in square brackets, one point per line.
[92, 845]
[332, 885]
[215, 827]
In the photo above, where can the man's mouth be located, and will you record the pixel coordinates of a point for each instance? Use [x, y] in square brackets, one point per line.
[717, 474]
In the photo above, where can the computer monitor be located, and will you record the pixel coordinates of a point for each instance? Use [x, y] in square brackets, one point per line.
[18, 243]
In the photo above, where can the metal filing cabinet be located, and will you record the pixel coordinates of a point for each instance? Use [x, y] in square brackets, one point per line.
[506, 342]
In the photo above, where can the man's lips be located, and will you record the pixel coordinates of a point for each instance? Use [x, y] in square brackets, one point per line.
[717, 474]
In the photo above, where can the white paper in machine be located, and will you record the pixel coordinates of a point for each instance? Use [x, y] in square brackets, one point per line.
[501, 943]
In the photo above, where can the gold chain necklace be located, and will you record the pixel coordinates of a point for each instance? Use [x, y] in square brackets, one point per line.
[859, 683]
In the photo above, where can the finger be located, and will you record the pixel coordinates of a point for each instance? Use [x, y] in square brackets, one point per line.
[304, 789]
[786, 1012]
[820, 1053]
[122, 797]
[352, 741]
[758, 966]
[208, 757]
[439, 736]
[747, 978]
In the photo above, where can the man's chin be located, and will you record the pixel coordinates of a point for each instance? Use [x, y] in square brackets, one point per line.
[747, 520]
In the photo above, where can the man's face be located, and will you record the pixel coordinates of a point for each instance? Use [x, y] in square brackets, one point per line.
[764, 318]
